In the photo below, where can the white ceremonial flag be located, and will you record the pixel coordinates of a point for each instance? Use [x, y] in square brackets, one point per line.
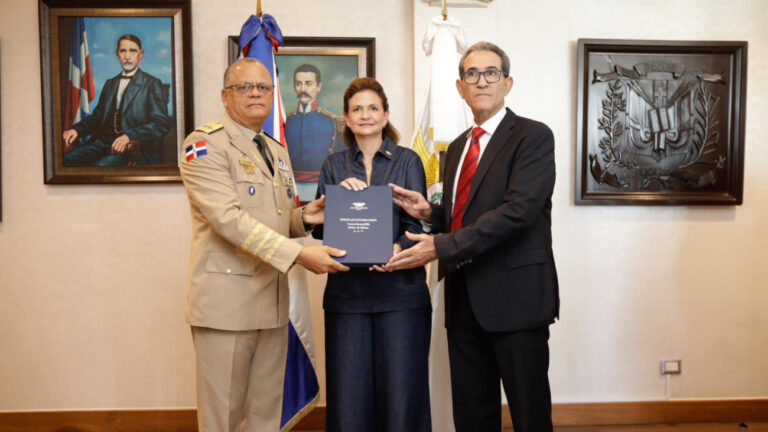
[444, 117]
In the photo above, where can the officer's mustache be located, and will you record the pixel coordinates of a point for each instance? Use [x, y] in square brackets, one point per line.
[300, 94]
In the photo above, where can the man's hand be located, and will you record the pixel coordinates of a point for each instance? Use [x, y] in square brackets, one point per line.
[120, 144]
[69, 135]
[418, 255]
[412, 202]
[314, 212]
[353, 183]
[317, 259]
[383, 268]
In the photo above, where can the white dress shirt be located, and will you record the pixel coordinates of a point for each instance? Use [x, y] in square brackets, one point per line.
[123, 84]
[489, 126]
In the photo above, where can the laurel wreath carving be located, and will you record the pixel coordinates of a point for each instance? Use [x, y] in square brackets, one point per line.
[613, 104]
[706, 132]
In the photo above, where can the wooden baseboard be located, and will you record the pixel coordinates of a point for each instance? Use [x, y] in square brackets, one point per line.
[100, 421]
[567, 414]
[660, 412]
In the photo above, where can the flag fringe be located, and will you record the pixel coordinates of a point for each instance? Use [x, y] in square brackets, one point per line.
[301, 414]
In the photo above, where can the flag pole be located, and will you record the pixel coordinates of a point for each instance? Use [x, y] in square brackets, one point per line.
[445, 10]
[258, 8]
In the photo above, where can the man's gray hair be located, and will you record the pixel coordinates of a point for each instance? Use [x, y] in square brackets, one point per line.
[244, 60]
[486, 46]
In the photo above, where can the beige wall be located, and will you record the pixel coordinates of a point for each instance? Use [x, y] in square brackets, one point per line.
[92, 277]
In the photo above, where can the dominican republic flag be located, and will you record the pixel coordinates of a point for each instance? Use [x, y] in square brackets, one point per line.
[196, 150]
[80, 87]
[260, 38]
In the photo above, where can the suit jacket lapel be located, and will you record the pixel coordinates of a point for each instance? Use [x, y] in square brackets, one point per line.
[271, 149]
[244, 145]
[110, 92]
[132, 89]
[498, 141]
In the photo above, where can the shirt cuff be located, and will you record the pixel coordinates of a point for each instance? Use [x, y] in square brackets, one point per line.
[426, 226]
[307, 227]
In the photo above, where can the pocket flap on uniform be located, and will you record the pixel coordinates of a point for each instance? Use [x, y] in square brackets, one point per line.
[248, 172]
[229, 264]
[533, 256]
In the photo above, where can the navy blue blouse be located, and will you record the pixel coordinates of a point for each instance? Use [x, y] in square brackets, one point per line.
[360, 290]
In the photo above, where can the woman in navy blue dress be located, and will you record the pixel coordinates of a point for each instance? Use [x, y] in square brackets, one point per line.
[377, 323]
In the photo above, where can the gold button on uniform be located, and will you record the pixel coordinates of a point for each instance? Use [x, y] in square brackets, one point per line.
[274, 184]
[229, 271]
[279, 212]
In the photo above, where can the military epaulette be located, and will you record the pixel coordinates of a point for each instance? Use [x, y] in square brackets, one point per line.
[291, 112]
[210, 128]
[324, 111]
[340, 123]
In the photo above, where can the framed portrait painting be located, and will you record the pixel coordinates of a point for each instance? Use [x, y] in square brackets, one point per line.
[117, 89]
[313, 73]
[660, 122]
[1, 175]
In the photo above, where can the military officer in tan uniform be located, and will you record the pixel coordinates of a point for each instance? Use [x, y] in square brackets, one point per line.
[240, 188]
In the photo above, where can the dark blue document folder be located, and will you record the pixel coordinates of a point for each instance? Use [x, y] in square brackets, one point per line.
[359, 222]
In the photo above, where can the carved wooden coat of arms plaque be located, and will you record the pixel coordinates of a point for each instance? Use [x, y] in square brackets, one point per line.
[660, 122]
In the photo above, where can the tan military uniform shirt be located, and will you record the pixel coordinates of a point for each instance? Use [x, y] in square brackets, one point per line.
[241, 216]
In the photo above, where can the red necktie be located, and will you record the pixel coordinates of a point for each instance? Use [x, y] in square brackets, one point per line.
[468, 169]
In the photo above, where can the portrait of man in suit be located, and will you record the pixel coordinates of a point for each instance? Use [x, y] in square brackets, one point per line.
[130, 120]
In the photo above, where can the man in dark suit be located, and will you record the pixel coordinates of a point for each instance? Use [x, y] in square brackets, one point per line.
[494, 244]
[129, 122]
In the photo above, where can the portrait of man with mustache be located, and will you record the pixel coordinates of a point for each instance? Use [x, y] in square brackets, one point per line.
[129, 122]
[311, 131]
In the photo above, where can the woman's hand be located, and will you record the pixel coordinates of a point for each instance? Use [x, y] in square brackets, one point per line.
[354, 184]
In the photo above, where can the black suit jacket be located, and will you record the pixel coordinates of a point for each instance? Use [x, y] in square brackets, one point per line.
[504, 248]
[144, 113]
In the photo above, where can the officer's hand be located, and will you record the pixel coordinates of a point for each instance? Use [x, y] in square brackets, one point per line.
[120, 144]
[69, 135]
[353, 184]
[314, 212]
[412, 202]
[317, 259]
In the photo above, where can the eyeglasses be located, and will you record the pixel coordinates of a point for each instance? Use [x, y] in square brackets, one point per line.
[245, 87]
[472, 76]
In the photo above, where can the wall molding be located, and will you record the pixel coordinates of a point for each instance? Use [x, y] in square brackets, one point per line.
[564, 414]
